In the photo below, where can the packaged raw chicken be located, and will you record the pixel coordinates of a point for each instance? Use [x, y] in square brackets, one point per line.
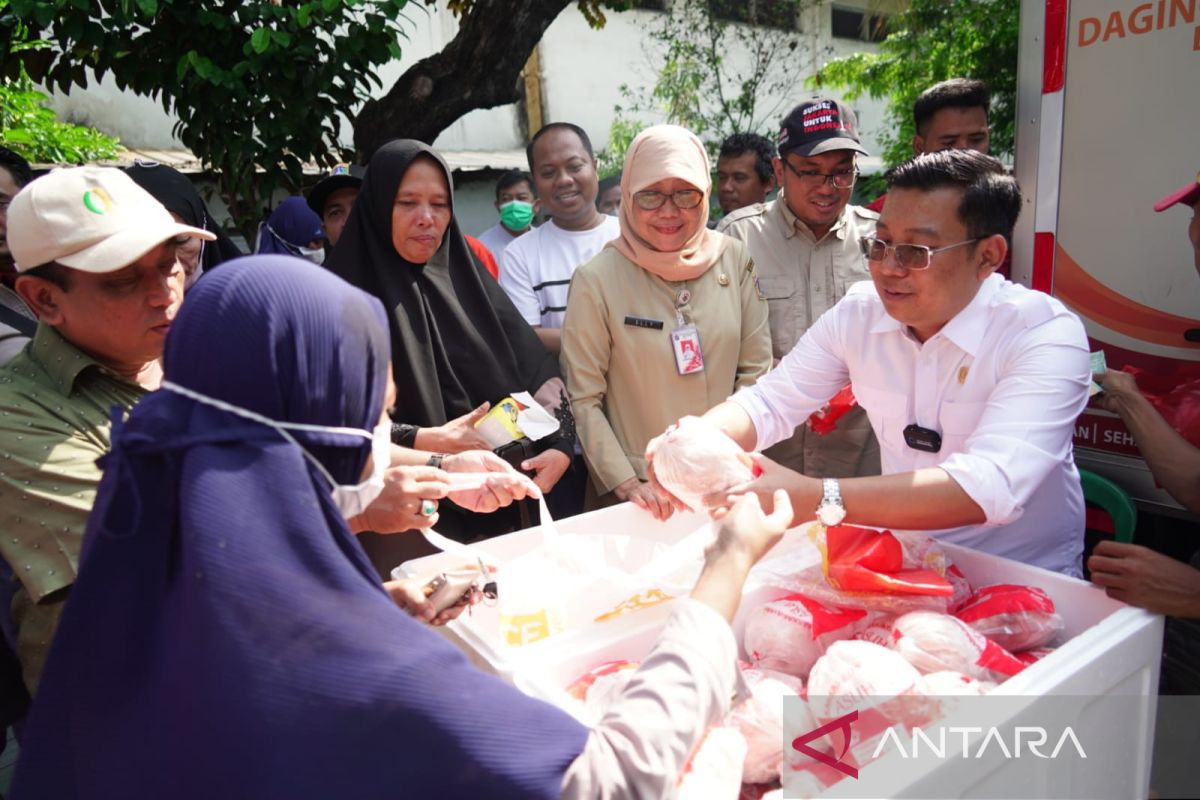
[1033, 656]
[694, 458]
[760, 721]
[1014, 617]
[962, 588]
[790, 634]
[851, 670]
[934, 642]
[951, 684]
[876, 628]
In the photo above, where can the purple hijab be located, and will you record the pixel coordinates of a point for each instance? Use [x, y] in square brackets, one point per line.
[291, 226]
[227, 636]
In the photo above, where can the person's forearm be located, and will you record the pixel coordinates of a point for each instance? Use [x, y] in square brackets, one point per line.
[551, 338]
[720, 584]
[1174, 462]
[407, 457]
[735, 422]
[927, 499]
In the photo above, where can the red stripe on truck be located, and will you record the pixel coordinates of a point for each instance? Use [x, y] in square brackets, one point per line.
[1055, 56]
[1043, 262]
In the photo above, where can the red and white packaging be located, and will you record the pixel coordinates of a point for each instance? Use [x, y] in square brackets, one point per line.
[760, 721]
[962, 588]
[1014, 617]
[1033, 656]
[934, 642]
[789, 635]
[851, 670]
[694, 458]
[877, 629]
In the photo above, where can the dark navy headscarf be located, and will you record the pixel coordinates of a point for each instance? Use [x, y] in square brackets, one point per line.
[227, 636]
[291, 226]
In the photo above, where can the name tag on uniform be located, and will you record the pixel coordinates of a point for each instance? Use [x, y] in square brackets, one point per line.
[644, 322]
[685, 342]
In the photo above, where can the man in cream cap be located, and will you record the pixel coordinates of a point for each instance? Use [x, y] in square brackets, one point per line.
[95, 256]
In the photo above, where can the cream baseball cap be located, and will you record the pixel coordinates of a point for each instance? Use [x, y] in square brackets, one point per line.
[93, 219]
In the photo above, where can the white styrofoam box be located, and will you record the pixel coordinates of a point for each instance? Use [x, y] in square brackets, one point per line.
[1108, 648]
[626, 537]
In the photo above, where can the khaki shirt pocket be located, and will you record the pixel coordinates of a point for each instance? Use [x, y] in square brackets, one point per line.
[783, 310]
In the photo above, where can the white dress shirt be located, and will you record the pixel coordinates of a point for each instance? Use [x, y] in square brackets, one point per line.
[1002, 382]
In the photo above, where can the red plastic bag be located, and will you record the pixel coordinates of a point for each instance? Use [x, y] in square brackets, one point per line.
[1014, 617]
[825, 420]
[1175, 396]
[863, 560]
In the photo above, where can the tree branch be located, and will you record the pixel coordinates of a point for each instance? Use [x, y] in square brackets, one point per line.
[479, 68]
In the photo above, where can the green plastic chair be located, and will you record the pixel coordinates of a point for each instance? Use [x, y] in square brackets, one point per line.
[1103, 493]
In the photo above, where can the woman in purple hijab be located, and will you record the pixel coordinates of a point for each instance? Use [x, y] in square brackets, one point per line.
[227, 636]
[293, 229]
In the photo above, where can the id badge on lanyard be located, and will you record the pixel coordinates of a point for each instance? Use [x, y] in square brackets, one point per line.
[685, 340]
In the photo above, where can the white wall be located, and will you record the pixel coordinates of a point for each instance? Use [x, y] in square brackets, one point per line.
[582, 70]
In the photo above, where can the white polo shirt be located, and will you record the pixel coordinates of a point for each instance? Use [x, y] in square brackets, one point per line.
[537, 267]
[1002, 382]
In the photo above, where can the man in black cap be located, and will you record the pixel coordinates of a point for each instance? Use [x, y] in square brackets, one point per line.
[333, 198]
[805, 246]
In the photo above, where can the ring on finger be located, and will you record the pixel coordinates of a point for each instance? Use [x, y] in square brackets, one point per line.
[428, 508]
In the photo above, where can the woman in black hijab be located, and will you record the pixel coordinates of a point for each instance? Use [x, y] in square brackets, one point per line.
[179, 196]
[458, 344]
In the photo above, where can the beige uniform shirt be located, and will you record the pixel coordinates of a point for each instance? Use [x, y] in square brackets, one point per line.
[802, 278]
[622, 379]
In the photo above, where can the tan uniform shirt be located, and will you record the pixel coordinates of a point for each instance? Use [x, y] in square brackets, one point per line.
[802, 278]
[624, 385]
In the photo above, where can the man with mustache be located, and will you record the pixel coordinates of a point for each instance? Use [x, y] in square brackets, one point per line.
[96, 260]
[971, 383]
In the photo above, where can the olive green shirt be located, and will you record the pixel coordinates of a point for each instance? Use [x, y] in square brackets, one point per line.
[55, 403]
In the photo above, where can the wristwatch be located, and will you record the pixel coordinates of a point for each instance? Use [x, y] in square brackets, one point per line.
[435, 460]
[831, 510]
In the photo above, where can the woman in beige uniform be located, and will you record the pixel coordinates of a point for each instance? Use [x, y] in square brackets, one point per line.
[665, 321]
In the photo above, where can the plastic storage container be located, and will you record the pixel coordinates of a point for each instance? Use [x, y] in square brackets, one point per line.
[1109, 649]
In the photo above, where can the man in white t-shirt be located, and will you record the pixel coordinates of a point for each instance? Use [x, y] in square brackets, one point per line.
[971, 383]
[536, 269]
[517, 205]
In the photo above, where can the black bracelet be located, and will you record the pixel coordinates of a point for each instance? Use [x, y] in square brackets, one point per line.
[404, 435]
[435, 460]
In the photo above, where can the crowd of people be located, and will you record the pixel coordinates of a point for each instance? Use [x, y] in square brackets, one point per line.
[209, 461]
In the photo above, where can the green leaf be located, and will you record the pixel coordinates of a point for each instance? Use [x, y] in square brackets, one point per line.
[260, 40]
[148, 7]
[283, 37]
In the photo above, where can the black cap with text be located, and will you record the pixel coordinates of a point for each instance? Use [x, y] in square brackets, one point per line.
[818, 126]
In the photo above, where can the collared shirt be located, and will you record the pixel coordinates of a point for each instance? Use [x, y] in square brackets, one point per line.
[54, 423]
[1002, 383]
[801, 277]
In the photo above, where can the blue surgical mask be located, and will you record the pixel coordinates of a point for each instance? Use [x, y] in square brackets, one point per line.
[351, 499]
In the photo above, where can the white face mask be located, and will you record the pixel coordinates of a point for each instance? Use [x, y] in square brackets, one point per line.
[313, 254]
[351, 499]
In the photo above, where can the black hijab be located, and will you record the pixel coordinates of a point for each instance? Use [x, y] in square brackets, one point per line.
[178, 195]
[457, 340]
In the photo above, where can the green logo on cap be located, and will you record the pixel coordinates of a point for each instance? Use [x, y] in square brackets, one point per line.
[97, 201]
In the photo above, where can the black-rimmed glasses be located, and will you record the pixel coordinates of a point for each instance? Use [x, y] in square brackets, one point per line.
[840, 180]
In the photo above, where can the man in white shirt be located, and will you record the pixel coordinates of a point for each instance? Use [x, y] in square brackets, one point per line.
[517, 205]
[536, 269]
[971, 383]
